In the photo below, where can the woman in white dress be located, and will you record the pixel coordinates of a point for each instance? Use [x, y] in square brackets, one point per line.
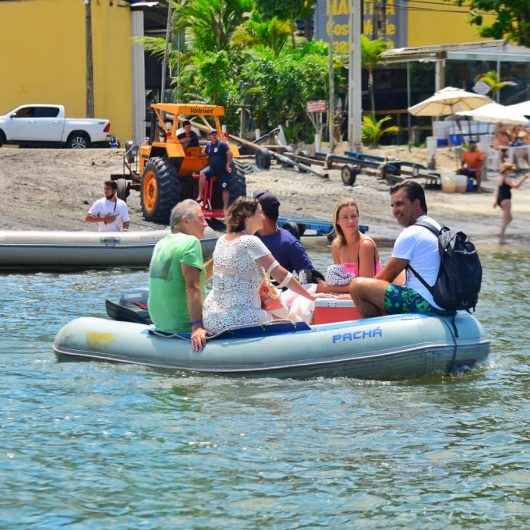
[239, 262]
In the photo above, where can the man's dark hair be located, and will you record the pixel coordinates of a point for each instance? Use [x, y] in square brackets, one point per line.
[413, 190]
[186, 122]
[111, 184]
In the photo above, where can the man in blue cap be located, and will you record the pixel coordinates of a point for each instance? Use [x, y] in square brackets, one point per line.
[289, 252]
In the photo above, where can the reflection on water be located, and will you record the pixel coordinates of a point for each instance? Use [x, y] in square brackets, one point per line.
[108, 446]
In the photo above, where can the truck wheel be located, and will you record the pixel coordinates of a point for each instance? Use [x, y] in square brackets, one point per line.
[2, 138]
[160, 190]
[78, 140]
[348, 174]
[263, 160]
[123, 189]
[238, 185]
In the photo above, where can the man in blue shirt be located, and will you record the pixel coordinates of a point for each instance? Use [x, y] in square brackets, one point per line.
[219, 165]
[287, 250]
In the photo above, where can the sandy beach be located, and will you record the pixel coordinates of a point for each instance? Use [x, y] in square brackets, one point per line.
[51, 189]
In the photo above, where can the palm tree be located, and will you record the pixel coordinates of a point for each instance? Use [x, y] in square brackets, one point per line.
[373, 129]
[492, 80]
[272, 33]
[211, 22]
[371, 51]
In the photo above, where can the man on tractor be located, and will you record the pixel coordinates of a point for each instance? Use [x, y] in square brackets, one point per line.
[188, 138]
[219, 165]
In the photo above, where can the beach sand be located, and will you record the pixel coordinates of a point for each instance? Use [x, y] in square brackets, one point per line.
[51, 189]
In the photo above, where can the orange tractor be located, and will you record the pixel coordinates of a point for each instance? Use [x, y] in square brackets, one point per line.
[165, 172]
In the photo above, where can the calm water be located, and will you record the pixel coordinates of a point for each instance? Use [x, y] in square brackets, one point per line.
[106, 446]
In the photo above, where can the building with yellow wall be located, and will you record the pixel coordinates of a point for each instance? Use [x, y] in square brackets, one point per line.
[404, 23]
[43, 59]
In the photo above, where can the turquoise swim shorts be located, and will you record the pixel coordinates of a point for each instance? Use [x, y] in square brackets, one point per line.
[405, 300]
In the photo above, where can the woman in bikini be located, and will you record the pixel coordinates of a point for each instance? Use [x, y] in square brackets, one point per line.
[353, 253]
[503, 196]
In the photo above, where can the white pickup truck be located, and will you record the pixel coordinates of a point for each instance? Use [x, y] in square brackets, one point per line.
[46, 124]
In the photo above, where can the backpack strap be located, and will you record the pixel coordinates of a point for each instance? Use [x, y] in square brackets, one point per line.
[437, 233]
[429, 227]
[422, 281]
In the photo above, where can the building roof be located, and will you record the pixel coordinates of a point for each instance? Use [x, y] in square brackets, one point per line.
[155, 16]
[494, 50]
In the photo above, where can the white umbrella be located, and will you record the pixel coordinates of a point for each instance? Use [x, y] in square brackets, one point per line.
[521, 108]
[495, 113]
[447, 101]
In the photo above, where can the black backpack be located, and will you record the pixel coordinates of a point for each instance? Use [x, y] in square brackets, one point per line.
[458, 283]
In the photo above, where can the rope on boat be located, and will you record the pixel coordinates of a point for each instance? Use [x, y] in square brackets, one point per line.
[153, 331]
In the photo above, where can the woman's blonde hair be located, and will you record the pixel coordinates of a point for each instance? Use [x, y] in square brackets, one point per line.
[241, 209]
[343, 203]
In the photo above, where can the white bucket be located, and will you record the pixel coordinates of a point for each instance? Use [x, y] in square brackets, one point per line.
[454, 183]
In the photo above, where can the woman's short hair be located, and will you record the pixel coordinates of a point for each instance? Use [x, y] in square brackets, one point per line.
[343, 203]
[241, 209]
[183, 210]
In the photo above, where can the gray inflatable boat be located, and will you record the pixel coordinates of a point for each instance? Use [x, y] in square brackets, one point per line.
[54, 250]
[386, 348]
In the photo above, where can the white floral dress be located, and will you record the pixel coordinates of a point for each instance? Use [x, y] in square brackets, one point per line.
[234, 300]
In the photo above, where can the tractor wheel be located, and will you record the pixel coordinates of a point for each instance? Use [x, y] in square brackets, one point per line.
[348, 174]
[238, 185]
[123, 189]
[160, 190]
[263, 160]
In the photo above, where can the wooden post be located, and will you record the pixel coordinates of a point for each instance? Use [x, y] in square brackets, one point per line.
[89, 60]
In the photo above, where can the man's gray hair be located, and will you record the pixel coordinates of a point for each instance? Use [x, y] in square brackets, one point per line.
[183, 210]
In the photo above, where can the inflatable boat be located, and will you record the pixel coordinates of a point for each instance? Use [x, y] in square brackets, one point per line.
[34, 250]
[386, 348]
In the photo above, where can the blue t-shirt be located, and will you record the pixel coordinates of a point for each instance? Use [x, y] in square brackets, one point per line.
[217, 156]
[287, 250]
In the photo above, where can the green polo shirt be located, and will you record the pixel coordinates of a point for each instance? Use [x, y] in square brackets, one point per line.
[168, 303]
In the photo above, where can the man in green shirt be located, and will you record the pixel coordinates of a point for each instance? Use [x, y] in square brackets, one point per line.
[176, 275]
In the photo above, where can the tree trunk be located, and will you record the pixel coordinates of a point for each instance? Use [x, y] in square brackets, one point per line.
[371, 89]
[89, 61]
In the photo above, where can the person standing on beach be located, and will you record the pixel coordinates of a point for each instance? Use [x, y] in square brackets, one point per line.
[416, 248]
[503, 196]
[109, 212]
[219, 165]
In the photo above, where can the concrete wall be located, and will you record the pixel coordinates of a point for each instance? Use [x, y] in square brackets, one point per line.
[43, 58]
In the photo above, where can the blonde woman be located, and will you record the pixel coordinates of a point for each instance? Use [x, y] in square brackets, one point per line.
[353, 253]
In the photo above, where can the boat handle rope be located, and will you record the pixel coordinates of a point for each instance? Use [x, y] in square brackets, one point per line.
[153, 331]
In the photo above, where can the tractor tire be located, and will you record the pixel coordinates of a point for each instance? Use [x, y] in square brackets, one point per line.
[263, 160]
[348, 174]
[238, 185]
[160, 190]
[3, 138]
[78, 140]
[123, 189]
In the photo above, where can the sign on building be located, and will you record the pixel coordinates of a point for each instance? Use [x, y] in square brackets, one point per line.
[382, 19]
